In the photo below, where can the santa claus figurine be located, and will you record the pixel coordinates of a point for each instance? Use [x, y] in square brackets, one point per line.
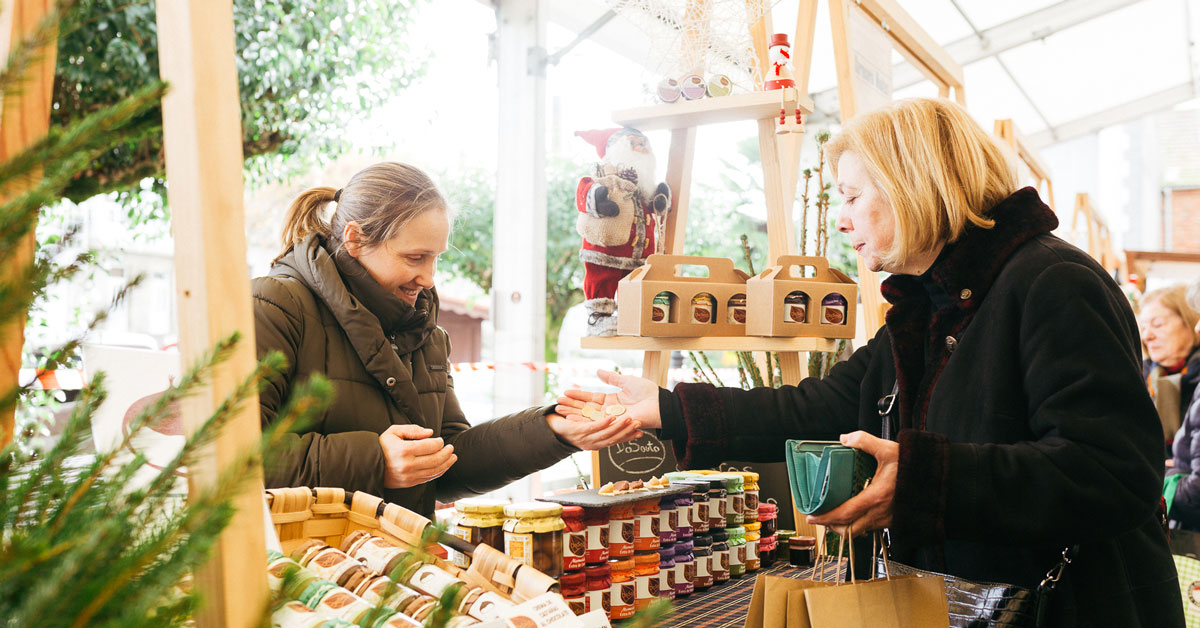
[619, 207]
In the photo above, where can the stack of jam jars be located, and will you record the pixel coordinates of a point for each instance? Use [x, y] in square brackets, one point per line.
[720, 559]
[768, 514]
[753, 562]
[735, 499]
[647, 540]
[668, 523]
[573, 581]
[750, 491]
[598, 574]
[737, 551]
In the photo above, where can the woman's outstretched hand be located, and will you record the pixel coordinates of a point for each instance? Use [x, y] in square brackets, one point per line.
[638, 398]
[590, 435]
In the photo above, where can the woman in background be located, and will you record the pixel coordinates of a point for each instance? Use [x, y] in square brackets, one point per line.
[1171, 367]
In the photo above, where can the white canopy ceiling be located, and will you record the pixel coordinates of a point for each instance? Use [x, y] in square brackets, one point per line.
[1058, 69]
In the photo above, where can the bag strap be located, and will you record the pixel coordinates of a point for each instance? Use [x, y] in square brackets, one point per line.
[886, 407]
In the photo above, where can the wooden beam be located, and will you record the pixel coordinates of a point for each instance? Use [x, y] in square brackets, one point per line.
[1093, 122]
[914, 43]
[802, 43]
[25, 120]
[679, 178]
[202, 136]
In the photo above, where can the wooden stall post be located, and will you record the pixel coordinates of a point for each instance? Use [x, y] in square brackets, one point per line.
[1008, 135]
[26, 118]
[919, 48]
[203, 146]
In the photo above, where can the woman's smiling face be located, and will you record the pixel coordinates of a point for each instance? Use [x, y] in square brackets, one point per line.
[406, 263]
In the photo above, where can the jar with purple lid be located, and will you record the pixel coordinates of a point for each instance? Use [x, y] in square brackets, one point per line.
[683, 515]
[717, 504]
[699, 515]
[685, 568]
[668, 519]
[720, 562]
[666, 571]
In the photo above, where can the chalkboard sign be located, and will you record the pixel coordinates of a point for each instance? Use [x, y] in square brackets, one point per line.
[647, 456]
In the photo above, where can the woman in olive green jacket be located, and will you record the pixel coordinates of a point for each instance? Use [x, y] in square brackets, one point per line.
[353, 299]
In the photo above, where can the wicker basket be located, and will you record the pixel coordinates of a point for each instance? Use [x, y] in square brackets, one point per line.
[329, 514]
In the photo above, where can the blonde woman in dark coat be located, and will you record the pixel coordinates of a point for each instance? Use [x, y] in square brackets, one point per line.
[1023, 426]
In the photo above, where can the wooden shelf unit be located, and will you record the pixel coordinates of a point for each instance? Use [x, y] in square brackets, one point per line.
[711, 343]
[731, 108]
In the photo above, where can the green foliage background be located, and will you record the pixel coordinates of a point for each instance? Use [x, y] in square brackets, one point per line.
[306, 69]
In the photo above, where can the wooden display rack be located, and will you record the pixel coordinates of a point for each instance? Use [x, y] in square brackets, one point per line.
[1099, 240]
[1008, 135]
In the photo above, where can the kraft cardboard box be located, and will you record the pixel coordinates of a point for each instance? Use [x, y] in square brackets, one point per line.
[637, 314]
[770, 314]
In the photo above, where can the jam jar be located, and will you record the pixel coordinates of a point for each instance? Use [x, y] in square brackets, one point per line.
[574, 591]
[735, 499]
[646, 526]
[574, 538]
[645, 569]
[795, 308]
[620, 531]
[685, 568]
[766, 551]
[703, 553]
[720, 548]
[833, 310]
[599, 586]
[753, 563]
[768, 514]
[699, 516]
[623, 592]
[668, 519]
[718, 503]
[533, 535]
[479, 521]
[750, 490]
[666, 571]
[802, 551]
[597, 535]
[683, 516]
[737, 551]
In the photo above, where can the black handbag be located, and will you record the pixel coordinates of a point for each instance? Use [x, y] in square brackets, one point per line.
[981, 604]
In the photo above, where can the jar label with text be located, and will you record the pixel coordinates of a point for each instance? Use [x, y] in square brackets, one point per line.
[597, 544]
[519, 547]
[574, 549]
[460, 559]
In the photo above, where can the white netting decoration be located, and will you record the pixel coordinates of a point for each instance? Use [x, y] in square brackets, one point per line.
[703, 37]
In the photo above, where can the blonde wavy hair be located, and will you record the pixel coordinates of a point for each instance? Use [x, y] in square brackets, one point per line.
[936, 166]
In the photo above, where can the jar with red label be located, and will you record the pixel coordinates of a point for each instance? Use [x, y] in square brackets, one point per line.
[683, 516]
[646, 527]
[573, 587]
[574, 538]
[766, 551]
[620, 531]
[668, 519]
[753, 562]
[685, 568]
[720, 548]
[645, 569]
[623, 593]
[703, 553]
[768, 514]
[666, 571]
[596, 551]
[599, 585]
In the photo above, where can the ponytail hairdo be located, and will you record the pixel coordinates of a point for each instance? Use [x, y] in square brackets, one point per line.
[380, 200]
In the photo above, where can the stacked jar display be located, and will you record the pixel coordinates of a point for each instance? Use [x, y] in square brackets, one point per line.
[767, 518]
[720, 559]
[598, 573]
[751, 491]
[701, 522]
[647, 540]
[737, 551]
[573, 582]
[735, 499]
[668, 522]
[753, 562]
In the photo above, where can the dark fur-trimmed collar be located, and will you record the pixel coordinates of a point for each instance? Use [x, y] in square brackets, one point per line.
[973, 261]
[965, 269]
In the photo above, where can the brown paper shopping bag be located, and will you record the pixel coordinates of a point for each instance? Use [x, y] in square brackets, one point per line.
[894, 602]
[769, 604]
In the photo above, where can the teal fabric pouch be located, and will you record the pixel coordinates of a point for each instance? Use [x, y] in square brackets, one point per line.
[823, 474]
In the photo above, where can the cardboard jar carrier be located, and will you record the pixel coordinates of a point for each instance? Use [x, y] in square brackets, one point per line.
[302, 514]
[768, 313]
[636, 310]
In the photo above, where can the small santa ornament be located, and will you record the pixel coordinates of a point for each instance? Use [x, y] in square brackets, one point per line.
[779, 54]
[619, 206]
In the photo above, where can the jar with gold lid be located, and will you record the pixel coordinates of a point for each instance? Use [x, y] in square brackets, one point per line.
[533, 535]
[479, 521]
